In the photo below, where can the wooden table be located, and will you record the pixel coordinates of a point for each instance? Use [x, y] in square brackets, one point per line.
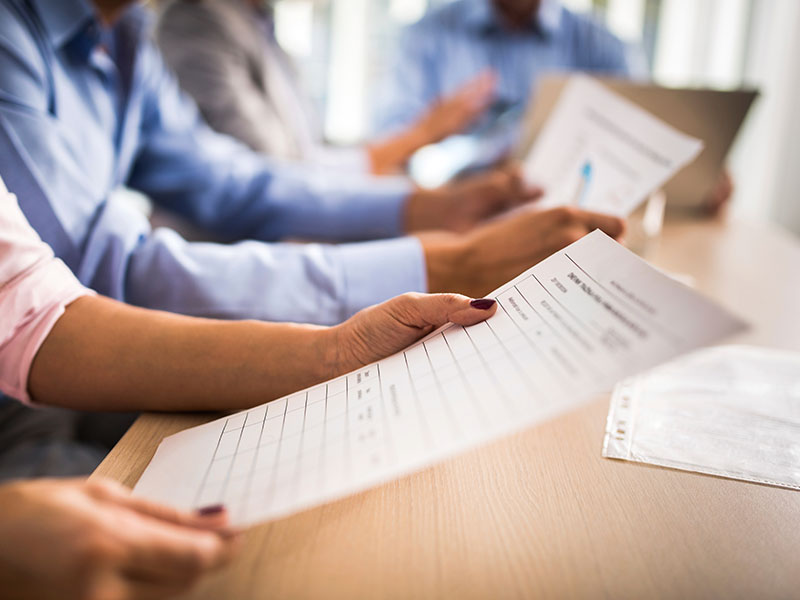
[541, 514]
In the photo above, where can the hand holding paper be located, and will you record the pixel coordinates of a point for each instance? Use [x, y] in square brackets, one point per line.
[566, 329]
[629, 152]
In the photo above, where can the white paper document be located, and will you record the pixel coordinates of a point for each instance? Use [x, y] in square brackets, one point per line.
[732, 411]
[604, 153]
[566, 329]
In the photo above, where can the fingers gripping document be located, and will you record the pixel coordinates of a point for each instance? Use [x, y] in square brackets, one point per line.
[566, 329]
[627, 151]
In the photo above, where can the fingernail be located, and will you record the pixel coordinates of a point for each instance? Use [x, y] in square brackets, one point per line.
[482, 303]
[207, 511]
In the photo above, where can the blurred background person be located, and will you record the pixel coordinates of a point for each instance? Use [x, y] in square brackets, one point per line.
[515, 40]
[226, 56]
[344, 51]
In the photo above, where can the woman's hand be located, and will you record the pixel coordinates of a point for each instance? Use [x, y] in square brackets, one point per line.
[379, 331]
[76, 539]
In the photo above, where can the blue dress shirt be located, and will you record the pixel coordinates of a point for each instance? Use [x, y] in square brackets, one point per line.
[85, 109]
[458, 41]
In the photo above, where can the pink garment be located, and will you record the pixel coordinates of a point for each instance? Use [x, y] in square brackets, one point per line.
[34, 289]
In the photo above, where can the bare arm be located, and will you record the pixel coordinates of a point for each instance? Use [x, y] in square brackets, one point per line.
[104, 355]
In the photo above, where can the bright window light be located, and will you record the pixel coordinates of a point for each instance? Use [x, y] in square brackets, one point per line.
[579, 6]
[676, 56]
[407, 11]
[726, 49]
[345, 122]
[294, 26]
[626, 18]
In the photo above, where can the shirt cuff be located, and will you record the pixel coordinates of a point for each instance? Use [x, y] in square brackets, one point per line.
[316, 204]
[380, 213]
[377, 271]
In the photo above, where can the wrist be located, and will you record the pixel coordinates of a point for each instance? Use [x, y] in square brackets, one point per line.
[333, 358]
[418, 135]
[377, 158]
[390, 155]
[447, 262]
[425, 210]
[424, 130]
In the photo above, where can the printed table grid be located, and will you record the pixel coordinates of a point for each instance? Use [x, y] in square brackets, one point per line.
[277, 454]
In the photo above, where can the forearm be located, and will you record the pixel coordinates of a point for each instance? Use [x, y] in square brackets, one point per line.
[390, 155]
[103, 355]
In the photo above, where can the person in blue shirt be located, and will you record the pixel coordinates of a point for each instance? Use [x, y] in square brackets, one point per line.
[86, 105]
[517, 40]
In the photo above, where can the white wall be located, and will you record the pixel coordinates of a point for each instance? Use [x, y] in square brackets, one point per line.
[767, 159]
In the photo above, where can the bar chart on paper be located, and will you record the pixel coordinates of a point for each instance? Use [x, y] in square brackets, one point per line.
[566, 329]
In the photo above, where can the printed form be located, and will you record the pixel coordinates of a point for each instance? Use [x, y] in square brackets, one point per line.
[565, 330]
[604, 153]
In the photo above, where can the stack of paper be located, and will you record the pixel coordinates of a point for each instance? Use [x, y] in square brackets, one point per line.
[732, 411]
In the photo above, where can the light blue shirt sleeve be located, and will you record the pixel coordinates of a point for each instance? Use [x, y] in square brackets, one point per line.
[61, 175]
[222, 185]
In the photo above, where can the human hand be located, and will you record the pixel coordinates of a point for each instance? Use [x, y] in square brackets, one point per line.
[445, 117]
[381, 330]
[463, 204]
[453, 113]
[78, 539]
[490, 255]
[719, 196]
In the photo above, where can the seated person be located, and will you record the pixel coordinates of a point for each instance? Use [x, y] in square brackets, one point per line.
[86, 105]
[62, 345]
[226, 56]
[516, 40]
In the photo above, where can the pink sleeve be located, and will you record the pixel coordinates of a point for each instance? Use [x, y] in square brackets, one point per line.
[35, 287]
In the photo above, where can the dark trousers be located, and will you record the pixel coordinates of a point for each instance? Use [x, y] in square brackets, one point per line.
[55, 442]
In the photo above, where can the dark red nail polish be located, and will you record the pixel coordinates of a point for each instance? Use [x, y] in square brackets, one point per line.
[482, 303]
[207, 511]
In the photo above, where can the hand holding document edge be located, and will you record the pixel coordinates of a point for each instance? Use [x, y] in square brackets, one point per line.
[567, 328]
[629, 152]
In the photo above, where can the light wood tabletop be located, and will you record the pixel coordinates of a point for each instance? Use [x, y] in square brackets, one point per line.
[541, 514]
